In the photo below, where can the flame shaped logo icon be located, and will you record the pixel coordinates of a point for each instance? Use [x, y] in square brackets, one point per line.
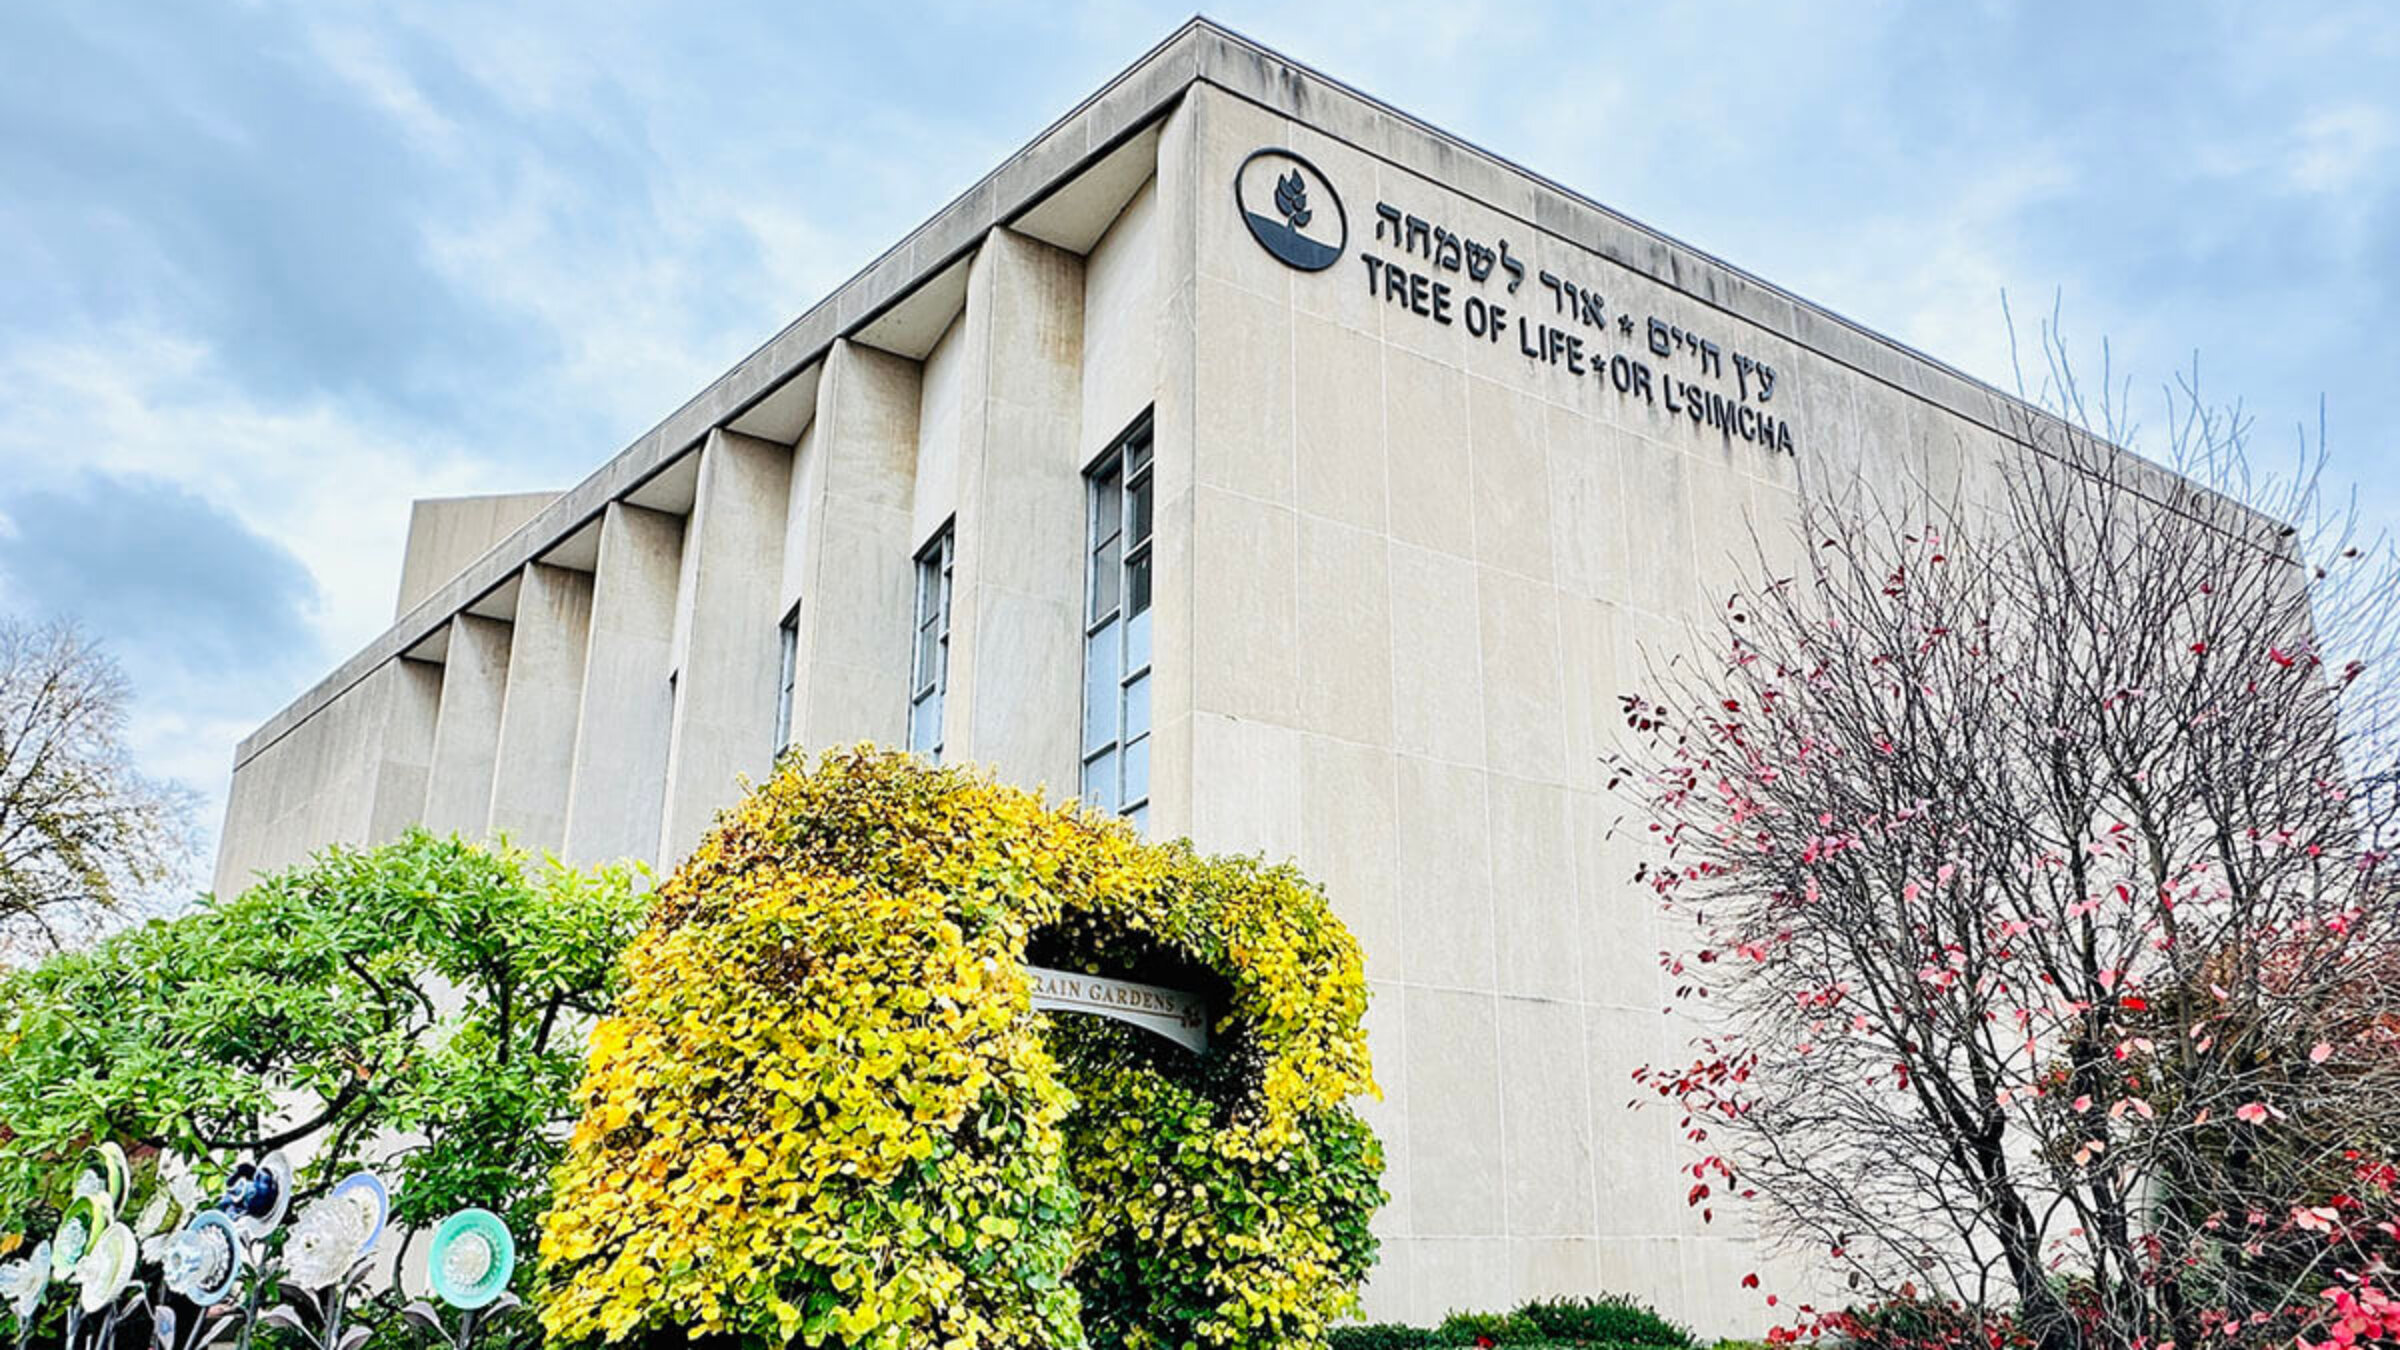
[1291, 209]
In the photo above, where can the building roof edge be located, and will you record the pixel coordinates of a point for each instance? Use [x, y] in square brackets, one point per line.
[1198, 51]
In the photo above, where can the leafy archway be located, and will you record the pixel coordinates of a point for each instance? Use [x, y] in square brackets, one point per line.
[827, 1111]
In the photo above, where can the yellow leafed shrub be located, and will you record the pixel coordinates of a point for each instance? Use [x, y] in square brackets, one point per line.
[826, 1112]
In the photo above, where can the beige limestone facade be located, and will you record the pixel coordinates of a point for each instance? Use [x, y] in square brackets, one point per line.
[1409, 521]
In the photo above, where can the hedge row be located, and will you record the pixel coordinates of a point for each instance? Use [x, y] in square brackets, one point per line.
[1394, 1336]
[1608, 1322]
[1389, 1336]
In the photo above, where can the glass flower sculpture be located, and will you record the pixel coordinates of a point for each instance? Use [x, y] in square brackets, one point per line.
[154, 1225]
[471, 1259]
[203, 1261]
[258, 1194]
[23, 1281]
[333, 1234]
[88, 1214]
[106, 1173]
[176, 1200]
[107, 1268]
[154, 1215]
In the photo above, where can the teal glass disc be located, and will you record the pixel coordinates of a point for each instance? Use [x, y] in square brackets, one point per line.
[471, 1259]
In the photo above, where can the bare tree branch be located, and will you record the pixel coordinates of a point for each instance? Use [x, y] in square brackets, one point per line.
[82, 832]
[2036, 853]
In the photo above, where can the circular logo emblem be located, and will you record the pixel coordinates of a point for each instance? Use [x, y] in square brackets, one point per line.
[1291, 209]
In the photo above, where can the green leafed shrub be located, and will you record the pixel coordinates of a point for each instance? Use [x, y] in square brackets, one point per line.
[827, 1112]
[1610, 1319]
[1604, 1322]
[1476, 1328]
[1379, 1336]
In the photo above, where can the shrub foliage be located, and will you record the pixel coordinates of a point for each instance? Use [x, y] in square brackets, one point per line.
[1610, 1318]
[413, 1007]
[1603, 1322]
[826, 1111]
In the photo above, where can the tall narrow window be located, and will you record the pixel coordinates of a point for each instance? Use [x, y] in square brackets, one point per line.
[1116, 633]
[674, 712]
[788, 638]
[929, 677]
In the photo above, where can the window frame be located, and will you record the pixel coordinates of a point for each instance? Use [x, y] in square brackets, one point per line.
[1123, 539]
[937, 562]
[787, 637]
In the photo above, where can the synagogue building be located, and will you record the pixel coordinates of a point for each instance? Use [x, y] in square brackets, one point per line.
[1247, 457]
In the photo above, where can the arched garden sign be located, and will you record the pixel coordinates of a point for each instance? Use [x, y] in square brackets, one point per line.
[1178, 1015]
[838, 1104]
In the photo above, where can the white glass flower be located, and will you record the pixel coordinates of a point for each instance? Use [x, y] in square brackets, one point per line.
[23, 1281]
[318, 1250]
[154, 1215]
[74, 1236]
[336, 1233]
[154, 1227]
[108, 1267]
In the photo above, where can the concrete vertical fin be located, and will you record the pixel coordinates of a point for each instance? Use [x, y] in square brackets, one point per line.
[616, 795]
[534, 759]
[723, 721]
[354, 773]
[405, 766]
[1175, 446]
[852, 510]
[466, 729]
[1017, 616]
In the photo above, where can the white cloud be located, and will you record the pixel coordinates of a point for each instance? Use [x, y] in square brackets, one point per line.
[2339, 149]
[621, 313]
[359, 59]
[333, 489]
[133, 399]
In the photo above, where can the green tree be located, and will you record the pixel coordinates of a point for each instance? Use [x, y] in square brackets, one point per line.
[413, 1007]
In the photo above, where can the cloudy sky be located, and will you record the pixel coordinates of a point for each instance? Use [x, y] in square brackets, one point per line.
[268, 271]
